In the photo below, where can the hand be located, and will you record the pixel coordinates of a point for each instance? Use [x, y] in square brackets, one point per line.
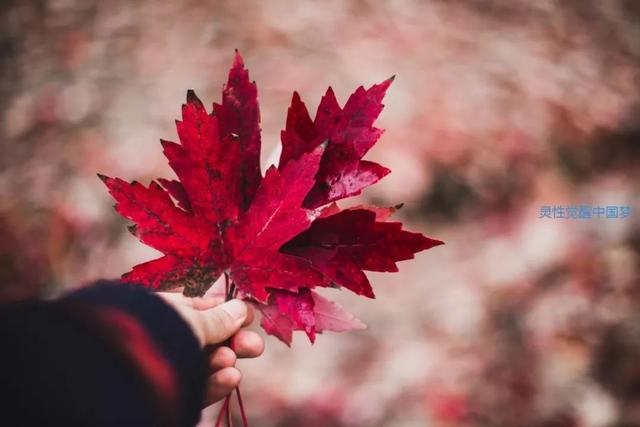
[213, 322]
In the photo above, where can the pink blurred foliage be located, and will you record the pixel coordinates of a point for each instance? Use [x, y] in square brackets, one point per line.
[498, 107]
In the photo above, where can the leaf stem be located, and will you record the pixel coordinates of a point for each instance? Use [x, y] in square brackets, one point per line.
[224, 409]
[229, 288]
[245, 423]
[231, 291]
[229, 419]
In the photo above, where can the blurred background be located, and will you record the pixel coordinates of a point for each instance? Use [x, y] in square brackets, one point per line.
[498, 108]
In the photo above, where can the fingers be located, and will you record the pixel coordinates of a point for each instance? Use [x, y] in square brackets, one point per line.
[247, 344]
[217, 324]
[222, 383]
[222, 357]
[224, 377]
[214, 322]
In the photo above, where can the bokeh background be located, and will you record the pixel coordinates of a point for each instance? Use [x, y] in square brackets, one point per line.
[498, 108]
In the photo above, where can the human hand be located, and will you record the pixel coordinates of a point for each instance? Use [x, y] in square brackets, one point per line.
[213, 322]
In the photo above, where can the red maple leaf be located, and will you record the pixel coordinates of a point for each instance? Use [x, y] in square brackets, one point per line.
[304, 311]
[275, 237]
[349, 132]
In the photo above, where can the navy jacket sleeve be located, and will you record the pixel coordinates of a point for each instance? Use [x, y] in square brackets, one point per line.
[107, 355]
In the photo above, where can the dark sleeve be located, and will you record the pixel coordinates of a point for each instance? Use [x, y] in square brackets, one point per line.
[108, 355]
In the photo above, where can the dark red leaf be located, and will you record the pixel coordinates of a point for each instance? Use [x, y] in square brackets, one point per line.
[288, 311]
[350, 134]
[304, 311]
[345, 243]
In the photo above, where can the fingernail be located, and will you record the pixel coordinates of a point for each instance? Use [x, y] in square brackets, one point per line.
[235, 308]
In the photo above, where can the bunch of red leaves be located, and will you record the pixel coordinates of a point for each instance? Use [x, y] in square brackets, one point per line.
[278, 236]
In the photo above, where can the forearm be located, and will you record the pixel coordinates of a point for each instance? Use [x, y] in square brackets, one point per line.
[105, 355]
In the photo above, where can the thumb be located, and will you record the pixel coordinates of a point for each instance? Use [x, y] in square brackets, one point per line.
[221, 322]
